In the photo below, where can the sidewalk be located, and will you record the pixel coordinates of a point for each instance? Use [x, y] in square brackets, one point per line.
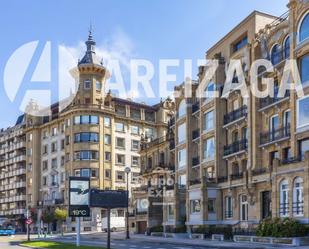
[188, 242]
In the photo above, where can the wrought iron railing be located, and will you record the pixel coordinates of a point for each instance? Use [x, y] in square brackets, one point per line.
[235, 147]
[236, 176]
[284, 209]
[275, 134]
[298, 207]
[236, 114]
[264, 102]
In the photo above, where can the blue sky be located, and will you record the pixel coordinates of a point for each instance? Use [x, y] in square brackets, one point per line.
[152, 30]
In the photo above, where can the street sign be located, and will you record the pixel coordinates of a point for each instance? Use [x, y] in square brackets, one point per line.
[108, 198]
[29, 221]
[79, 197]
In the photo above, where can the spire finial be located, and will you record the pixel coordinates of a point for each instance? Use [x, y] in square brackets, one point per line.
[90, 30]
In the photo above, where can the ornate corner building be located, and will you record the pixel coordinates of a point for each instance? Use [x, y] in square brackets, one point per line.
[239, 160]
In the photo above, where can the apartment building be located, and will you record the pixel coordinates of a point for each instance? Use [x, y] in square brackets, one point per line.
[157, 175]
[96, 136]
[13, 175]
[241, 159]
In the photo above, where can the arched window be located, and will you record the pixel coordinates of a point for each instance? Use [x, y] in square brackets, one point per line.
[298, 199]
[304, 28]
[182, 108]
[275, 54]
[287, 48]
[284, 198]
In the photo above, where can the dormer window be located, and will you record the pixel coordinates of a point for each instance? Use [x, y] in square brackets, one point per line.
[87, 84]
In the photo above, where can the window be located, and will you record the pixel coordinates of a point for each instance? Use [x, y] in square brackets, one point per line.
[120, 142]
[182, 158]
[135, 129]
[54, 131]
[243, 208]
[62, 142]
[170, 212]
[98, 85]
[272, 156]
[44, 180]
[303, 147]
[195, 206]
[240, 44]
[149, 133]
[273, 126]
[210, 91]
[120, 159]
[86, 137]
[287, 48]
[107, 156]
[211, 205]
[107, 121]
[181, 133]
[304, 28]
[86, 119]
[107, 173]
[135, 160]
[287, 153]
[182, 181]
[54, 163]
[107, 139]
[62, 160]
[228, 207]
[304, 69]
[45, 149]
[135, 145]
[120, 176]
[54, 147]
[45, 165]
[284, 198]
[182, 108]
[209, 149]
[209, 121]
[86, 155]
[87, 84]
[287, 119]
[275, 54]
[298, 199]
[120, 127]
[302, 112]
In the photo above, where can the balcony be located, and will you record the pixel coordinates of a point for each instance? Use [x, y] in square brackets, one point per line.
[275, 135]
[235, 147]
[235, 115]
[195, 107]
[195, 134]
[260, 171]
[237, 176]
[222, 179]
[268, 101]
[195, 182]
[195, 161]
[291, 160]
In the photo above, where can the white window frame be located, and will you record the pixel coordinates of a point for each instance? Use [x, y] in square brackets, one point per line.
[284, 197]
[298, 28]
[243, 203]
[298, 196]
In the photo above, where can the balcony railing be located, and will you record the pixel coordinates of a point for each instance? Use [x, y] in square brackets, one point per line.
[195, 107]
[195, 134]
[235, 115]
[236, 176]
[236, 147]
[264, 102]
[298, 208]
[195, 161]
[284, 209]
[260, 171]
[275, 134]
[222, 179]
[290, 160]
[228, 214]
[195, 182]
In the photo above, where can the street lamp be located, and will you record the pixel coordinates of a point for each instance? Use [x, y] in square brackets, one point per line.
[127, 170]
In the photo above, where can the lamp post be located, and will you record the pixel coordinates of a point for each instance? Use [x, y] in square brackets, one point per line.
[127, 170]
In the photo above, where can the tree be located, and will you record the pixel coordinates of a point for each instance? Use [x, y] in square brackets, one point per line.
[61, 215]
[48, 217]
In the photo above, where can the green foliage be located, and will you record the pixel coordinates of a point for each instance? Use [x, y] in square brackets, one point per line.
[55, 245]
[48, 216]
[180, 229]
[279, 228]
[212, 229]
[60, 214]
[156, 229]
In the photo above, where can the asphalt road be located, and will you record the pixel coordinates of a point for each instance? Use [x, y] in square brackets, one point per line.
[9, 245]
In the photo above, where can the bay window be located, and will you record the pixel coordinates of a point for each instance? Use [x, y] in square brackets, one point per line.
[209, 149]
[181, 133]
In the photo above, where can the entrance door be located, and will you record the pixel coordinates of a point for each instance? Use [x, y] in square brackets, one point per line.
[266, 204]
[142, 227]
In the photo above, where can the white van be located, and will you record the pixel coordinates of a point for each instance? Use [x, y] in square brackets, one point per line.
[118, 221]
